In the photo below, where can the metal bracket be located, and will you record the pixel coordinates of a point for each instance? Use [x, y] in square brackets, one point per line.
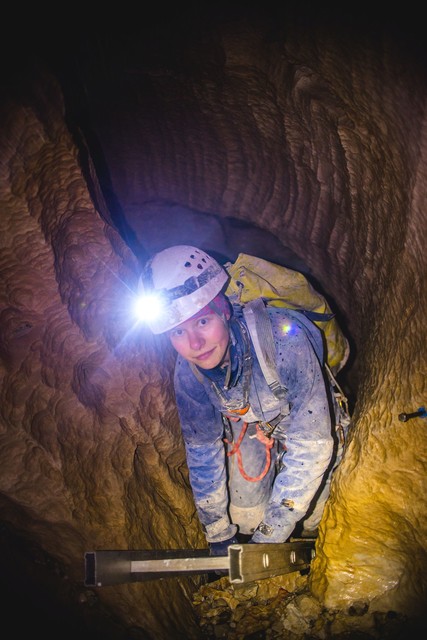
[244, 563]
[250, 562]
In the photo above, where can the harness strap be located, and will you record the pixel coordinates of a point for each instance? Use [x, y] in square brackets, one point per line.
[268, 442]
[261, 333]
[259, 326]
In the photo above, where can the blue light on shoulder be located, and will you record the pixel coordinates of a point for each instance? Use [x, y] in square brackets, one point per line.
[289, 329]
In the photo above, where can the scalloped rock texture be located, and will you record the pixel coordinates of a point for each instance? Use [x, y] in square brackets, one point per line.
[304, 145]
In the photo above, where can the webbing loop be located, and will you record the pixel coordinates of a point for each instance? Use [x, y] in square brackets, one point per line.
[268, 442]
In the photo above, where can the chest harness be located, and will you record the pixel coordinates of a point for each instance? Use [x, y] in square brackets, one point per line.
[260, 332]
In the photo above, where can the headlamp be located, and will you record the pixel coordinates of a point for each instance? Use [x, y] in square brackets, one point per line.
[149, 306]
[162, 308]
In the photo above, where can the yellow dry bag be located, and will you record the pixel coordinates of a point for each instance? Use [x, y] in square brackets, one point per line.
[253, 277]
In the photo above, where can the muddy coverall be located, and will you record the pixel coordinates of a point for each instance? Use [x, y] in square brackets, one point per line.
[259, 486]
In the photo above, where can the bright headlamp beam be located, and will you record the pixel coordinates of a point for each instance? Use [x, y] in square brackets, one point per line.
[148, 307]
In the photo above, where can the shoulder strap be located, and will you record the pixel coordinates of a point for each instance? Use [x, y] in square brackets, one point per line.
[259, 326]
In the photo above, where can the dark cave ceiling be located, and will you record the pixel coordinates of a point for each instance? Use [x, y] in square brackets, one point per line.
[118, 76]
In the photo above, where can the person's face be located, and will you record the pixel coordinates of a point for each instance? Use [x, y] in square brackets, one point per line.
[202, 341]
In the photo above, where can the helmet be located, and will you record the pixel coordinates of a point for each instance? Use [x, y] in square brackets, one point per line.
[186, 279]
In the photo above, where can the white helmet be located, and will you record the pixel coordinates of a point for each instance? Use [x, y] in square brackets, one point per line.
[186, 279]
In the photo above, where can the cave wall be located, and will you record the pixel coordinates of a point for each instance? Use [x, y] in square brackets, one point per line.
[313, 136]
[90, 447]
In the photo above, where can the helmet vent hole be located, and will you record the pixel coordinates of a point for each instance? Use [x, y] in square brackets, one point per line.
[187, 264]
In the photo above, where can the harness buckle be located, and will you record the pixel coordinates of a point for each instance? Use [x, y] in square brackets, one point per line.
[267, 428]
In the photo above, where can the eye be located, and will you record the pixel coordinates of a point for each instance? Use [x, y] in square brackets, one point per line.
[176, 333]
[204, 321]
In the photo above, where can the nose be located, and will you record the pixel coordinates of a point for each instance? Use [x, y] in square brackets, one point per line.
[196, 340]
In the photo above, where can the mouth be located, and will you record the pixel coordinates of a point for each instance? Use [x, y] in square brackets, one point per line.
[205, 356]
